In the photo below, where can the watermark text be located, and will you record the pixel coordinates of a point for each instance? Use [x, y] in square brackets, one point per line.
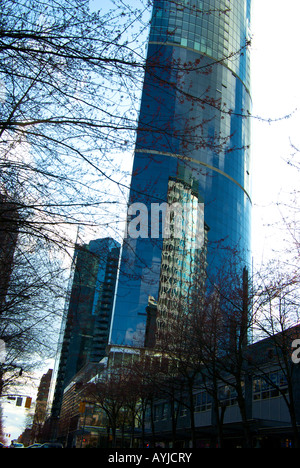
[296, 352]
[184, 221]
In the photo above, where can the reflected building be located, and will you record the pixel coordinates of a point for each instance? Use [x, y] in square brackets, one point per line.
[183, 261]
[193, 136]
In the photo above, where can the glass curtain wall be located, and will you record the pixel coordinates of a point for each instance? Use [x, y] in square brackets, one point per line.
[193, 131]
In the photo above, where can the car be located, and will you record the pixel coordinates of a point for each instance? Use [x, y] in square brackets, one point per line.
[16, 445]
[51, 445]
[34, 446]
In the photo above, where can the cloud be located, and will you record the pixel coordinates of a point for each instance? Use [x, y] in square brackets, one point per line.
[135, 337]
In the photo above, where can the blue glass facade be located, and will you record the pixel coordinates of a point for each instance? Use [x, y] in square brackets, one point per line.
[193, 128]
[85, 327]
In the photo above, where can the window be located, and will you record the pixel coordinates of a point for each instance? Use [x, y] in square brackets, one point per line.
[183, 411]
[202, 401]
[164, 412]
[270, 385]
[228, 395]
[156, 412]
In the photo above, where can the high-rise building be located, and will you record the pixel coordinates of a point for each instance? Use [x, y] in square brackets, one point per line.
[41, 401]
[85, 328]
[9, 227]
[193, 143]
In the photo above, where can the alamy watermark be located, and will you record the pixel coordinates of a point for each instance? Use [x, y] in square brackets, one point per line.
[184, 221]
[2, 351]
[296, 352]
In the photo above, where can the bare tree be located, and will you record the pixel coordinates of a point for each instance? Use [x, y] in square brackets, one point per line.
[67, 104]
[277, 325]
[206, 339]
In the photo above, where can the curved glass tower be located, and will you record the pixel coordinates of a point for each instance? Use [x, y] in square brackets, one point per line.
[193, 142]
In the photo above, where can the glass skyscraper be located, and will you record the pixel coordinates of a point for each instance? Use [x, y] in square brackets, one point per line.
[193, 142]
[85, 326]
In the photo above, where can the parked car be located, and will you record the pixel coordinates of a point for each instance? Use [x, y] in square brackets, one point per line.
[34, 446]
[51, 445]
[16, 445]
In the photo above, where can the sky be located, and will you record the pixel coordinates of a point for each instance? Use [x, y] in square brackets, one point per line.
[14, 421]
[275, 93]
